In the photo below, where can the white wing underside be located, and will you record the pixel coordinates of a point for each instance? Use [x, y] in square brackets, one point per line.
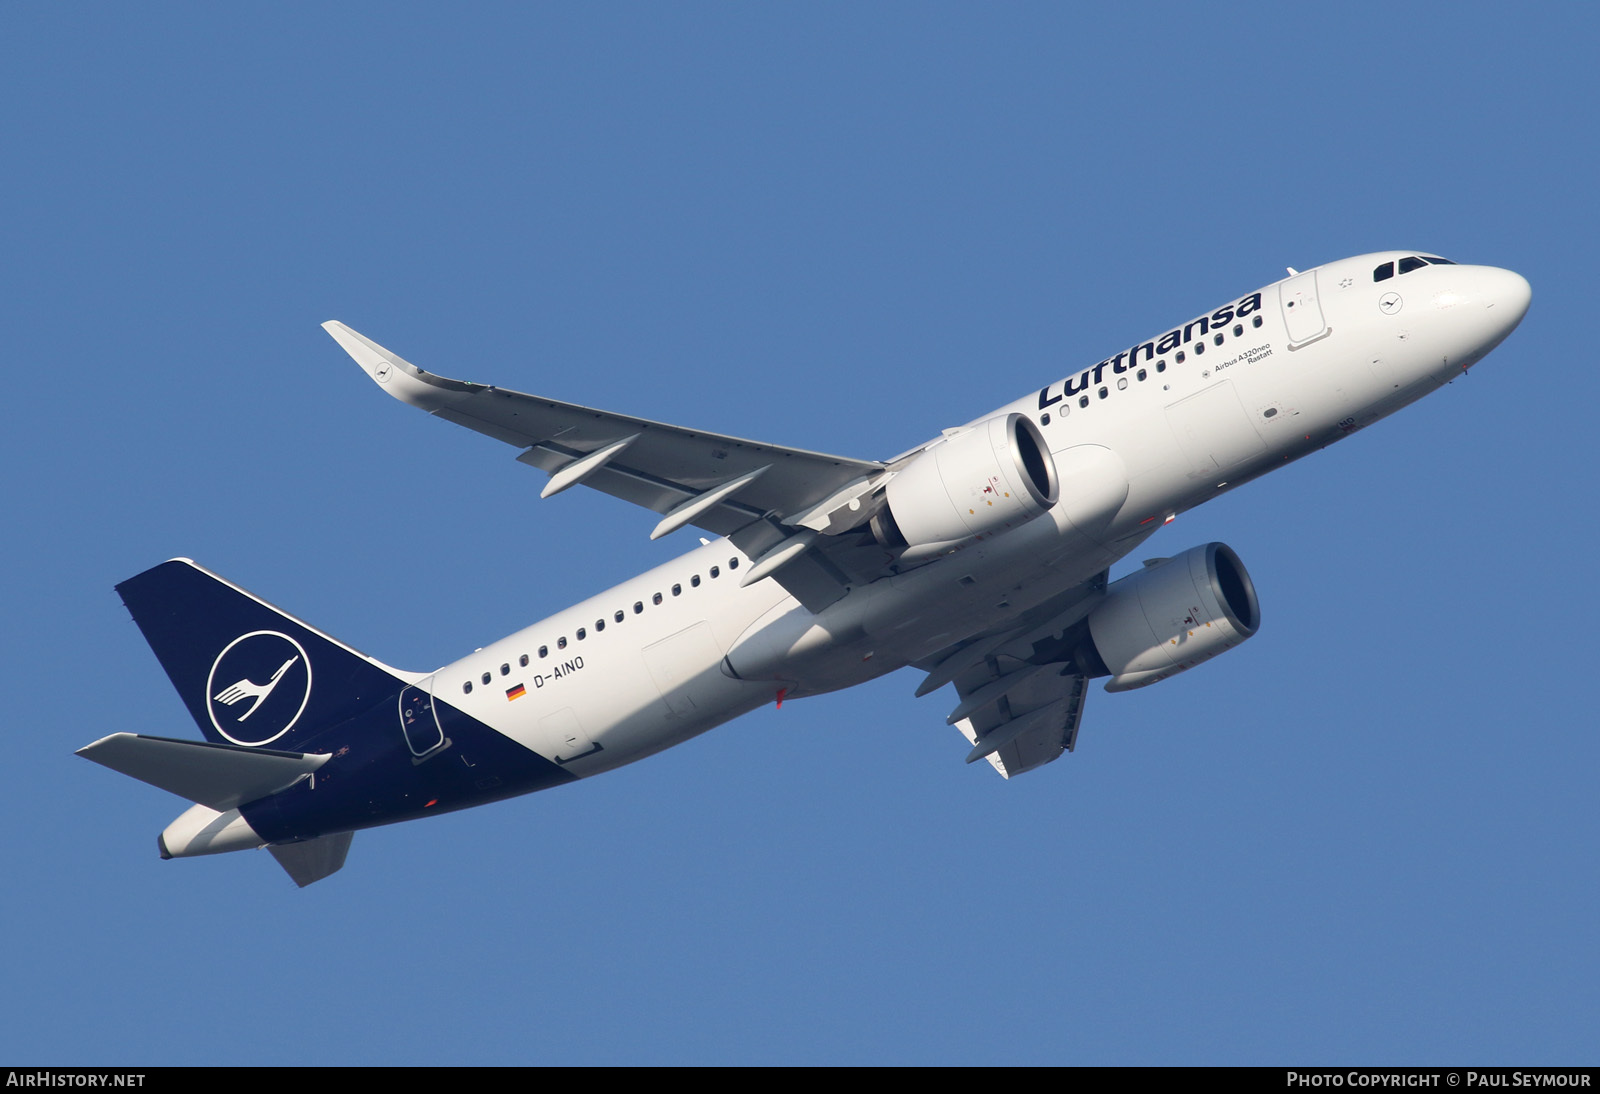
[1021, 698]
[1039, 722]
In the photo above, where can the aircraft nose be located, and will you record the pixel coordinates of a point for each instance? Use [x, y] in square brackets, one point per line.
[1507, 296]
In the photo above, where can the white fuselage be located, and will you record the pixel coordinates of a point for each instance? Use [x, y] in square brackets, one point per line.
[1194, 411]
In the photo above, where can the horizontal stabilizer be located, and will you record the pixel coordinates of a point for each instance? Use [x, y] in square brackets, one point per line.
[222, 777]
[314, 859]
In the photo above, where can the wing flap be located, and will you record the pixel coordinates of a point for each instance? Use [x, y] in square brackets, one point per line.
[1030, 726]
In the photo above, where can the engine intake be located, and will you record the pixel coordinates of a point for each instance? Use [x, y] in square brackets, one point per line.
[994, 476]
[1170, 617]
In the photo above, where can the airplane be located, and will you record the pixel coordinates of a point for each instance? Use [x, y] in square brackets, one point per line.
[982, 558]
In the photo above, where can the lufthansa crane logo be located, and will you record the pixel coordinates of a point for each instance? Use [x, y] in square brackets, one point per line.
[259, 686]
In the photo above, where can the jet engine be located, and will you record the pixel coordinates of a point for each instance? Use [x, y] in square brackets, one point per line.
[994, 476]
[1170, 616]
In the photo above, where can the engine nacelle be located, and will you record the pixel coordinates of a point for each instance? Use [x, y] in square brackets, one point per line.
[996, 475]
[1170, 617]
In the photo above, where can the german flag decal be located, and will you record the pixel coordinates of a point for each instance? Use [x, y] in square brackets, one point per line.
[515, 693]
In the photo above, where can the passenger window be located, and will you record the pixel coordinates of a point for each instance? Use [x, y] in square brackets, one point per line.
[466, 689]
[1384, 272]
[694, 581]
[1044, 419]
[733, 564]
[1161, 366]
[1256, 322]
[1177, 357]
[1199, 348]
[715, 571]
[1409, 264]
[638, 606]
[1083, 400]
[1238, 329]
[582, 634]
[1122, 384]
[523, 660]
[544, 651]
[487, 678]
[1217, 338]
[677, 590]
[599, 625]
[656, 599]
[1142, 374]
[505, 670]
[561, 643]
[617, 615]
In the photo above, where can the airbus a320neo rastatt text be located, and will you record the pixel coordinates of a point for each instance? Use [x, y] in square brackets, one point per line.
[982, 558]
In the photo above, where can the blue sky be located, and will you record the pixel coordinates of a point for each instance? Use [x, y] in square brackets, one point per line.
[1369, 835]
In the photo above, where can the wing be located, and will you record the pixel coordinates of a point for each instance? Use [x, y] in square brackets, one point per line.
[1021, 692]
[1034, 722]
[775, 503]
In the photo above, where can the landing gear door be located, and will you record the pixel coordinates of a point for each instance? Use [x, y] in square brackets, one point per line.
[1302, 312]
[419, 721]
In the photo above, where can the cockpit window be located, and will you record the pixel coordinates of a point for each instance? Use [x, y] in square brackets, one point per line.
[1412, 263]
[1384, 272]
[1435, 260]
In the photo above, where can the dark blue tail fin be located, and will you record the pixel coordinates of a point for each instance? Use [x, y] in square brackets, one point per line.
[250, 674]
